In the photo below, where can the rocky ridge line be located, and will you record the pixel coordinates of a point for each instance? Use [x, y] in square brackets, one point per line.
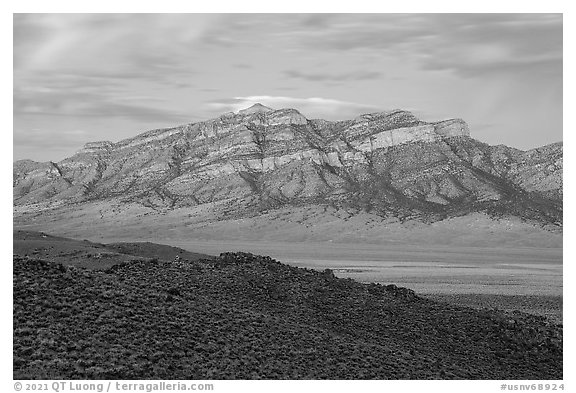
[389, 162]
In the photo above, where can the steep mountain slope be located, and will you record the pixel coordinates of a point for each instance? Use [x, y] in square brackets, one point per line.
[387, 164]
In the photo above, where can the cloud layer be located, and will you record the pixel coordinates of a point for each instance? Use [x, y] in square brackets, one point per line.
[312, 107]
[114, 75]
[341, 77]
[468, 44]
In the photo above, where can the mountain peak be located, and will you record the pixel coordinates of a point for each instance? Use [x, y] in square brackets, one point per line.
[256, 108]
[268, 159]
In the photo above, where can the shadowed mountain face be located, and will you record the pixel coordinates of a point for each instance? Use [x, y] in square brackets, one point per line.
[389, 164]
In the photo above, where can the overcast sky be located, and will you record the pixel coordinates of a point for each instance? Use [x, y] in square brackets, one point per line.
[90, 77]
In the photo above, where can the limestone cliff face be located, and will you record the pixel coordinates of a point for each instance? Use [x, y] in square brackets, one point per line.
[389, 163]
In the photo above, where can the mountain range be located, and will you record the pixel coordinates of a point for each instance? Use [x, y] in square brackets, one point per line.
[283, 176]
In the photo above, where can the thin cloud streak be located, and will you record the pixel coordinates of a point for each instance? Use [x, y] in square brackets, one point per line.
[311, 107]
[88, 105]
[36, 138]
[360, 75]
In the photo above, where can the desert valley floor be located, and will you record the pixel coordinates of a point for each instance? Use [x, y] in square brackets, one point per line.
[503, 276]
[528, 279]
[82, 298]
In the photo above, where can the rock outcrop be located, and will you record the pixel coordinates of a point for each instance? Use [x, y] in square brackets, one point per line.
[388, 163]
[256, 108]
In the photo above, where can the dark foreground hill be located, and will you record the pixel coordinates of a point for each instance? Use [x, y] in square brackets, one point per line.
[242, 316]
[91, 255]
